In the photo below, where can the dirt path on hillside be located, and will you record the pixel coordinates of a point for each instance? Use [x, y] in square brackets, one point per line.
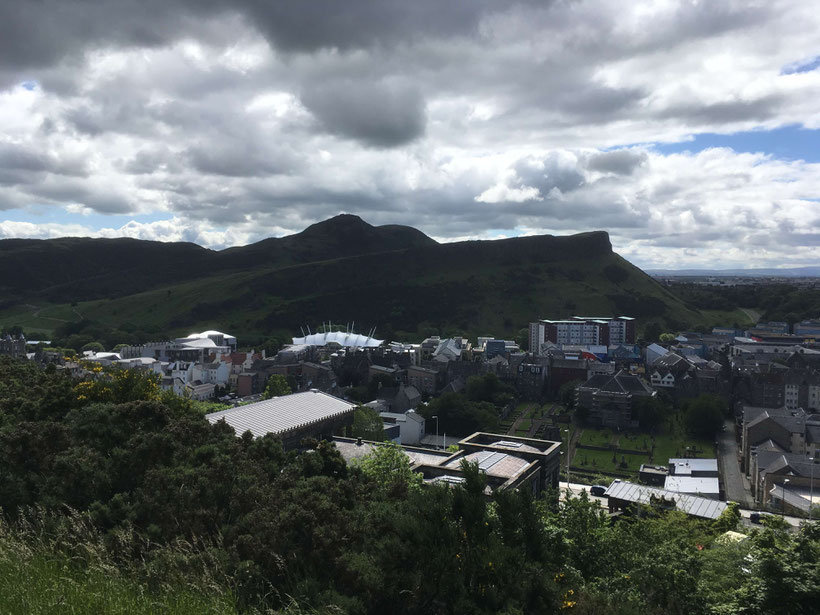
[752, 314]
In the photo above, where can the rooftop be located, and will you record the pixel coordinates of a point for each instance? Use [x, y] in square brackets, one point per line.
[281, 414]
[690, 504]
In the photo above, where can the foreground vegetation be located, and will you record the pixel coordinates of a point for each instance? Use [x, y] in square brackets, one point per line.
[122, 504]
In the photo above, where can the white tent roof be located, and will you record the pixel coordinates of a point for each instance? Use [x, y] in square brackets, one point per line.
[347, 340]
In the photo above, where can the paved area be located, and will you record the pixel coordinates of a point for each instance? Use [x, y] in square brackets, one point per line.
[734, 482]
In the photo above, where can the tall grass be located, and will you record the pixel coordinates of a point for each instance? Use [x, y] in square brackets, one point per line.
[60, 564]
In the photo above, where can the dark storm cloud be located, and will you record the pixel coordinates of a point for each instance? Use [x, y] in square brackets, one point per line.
[758, 109]
[37, 34]
[234, 160]
[376, 113]
[18, 158]
[355, 24]
[549, 172]
[619, 162]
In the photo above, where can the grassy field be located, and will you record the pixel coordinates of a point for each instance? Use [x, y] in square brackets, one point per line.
[602, 460]
[659, 448]
[596, 437]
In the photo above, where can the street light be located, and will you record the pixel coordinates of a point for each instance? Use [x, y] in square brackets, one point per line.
[568, 434]
[811, 487]
[783, 499]
[435, 416]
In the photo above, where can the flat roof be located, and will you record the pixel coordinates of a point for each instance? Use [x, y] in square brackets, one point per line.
[495, 464]
[687, 466]
[687, 484]
[350, 449]
[281, 414]
[690, 504]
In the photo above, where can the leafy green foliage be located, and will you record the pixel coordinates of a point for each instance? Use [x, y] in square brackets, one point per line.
[488, 388]
[704, 415]
[186, 515]
[277, 386]
[367, 424]
[390, 469]
[458, 415]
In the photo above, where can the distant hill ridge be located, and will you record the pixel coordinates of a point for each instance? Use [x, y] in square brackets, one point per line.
[77, 268]
[342, 269]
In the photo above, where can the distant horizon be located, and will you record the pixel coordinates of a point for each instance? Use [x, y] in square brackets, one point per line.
[647, 269]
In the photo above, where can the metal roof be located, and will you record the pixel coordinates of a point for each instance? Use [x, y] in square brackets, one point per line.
[706, 486]
[281, 414]
[690, 504]
[686, 466]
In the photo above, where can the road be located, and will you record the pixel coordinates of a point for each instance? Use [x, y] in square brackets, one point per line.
[735, 483]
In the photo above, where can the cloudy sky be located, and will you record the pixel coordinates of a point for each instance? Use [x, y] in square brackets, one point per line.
[688, 130]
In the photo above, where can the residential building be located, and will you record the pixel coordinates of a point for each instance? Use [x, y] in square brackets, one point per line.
[411, 425]
[200, 391]
[609, 399]
[423, 379]
[14, 347]
[771, 467]
[808, 329]
[582, 330]
[778, 429]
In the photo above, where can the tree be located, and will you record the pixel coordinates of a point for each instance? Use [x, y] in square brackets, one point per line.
[650, 412]
[652, 332]
[667, 337]
[367, 424]
[704, 416]
[277, 386]
[488, 388]
[566, 394]
[390, 468]
[94, 346]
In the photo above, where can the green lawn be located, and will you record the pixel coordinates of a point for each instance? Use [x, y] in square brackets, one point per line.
[602, 460]
[667, 447]
[596, 437]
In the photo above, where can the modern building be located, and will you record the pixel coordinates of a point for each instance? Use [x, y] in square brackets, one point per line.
[508, 462]
[582, 330]
[311, 414]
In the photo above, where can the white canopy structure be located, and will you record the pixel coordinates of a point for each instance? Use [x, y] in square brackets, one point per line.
[339, 338]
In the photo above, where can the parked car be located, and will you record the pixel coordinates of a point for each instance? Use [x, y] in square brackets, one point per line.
[597, 490]
[757, 517]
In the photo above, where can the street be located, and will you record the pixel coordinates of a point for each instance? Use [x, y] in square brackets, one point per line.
[734, 482]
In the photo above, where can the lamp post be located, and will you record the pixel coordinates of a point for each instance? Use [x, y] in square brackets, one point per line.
[811, 487]
[568, 435]
[783, 499]
[435, 416]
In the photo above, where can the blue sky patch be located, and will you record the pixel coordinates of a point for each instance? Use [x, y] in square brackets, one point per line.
[787, 143]
[802, 66]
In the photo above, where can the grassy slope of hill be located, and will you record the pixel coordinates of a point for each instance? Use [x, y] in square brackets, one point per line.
[417, 287]
[74, 268]
[472, 288]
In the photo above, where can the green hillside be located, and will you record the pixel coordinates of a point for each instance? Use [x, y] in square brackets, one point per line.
[473, 288]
